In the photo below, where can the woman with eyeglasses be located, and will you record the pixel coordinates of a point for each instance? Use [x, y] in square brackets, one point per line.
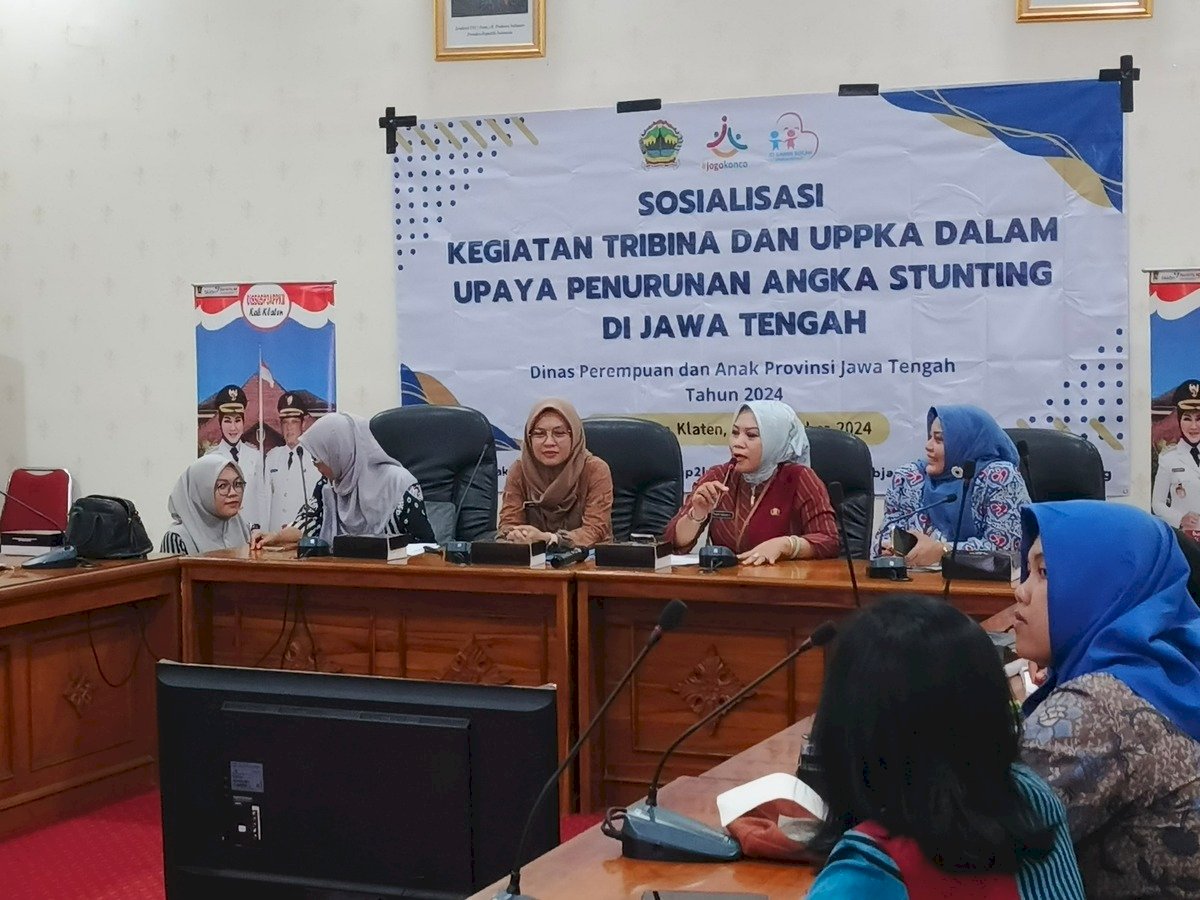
[766, 504]
[557, 491]
[205, 507]
[362, 490]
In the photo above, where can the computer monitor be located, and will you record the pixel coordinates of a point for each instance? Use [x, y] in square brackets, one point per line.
[280, 784]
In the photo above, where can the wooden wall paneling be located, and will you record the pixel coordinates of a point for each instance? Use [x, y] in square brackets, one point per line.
[7, 721]
[73, 712]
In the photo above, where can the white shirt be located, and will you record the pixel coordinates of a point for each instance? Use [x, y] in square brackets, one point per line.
[254, 500]
[1176, 490]
[289, 487]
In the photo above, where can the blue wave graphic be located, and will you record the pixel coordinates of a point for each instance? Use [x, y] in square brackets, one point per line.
[413, 394]
[1069, 119]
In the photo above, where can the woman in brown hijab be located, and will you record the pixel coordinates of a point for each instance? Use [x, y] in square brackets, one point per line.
[557, 491]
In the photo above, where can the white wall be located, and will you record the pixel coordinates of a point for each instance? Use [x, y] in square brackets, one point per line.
[148, 144]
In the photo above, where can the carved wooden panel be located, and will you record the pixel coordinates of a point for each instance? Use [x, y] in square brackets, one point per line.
[717, 651]
[73, 713]
[709, 684]
[473, 664]
[293, 633]
[479, 648]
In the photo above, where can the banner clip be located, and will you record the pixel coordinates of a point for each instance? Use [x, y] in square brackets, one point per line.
[626, 106]
[1127, 75]
[391, 123]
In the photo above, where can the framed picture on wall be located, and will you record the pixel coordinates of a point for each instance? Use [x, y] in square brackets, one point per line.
[489, 29]
[1078, 10]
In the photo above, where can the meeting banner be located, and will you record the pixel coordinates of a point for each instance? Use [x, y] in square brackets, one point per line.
[1175, 397]
[264, 357]
[860, 258]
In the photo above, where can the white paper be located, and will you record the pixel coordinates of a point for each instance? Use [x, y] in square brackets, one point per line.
[777, 786]
[685, 559]
[418, 549]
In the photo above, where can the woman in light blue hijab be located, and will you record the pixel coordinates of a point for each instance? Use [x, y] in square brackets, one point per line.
[926, 498]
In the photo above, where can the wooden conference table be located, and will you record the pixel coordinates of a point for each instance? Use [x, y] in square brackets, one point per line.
[424, 619]
[68, 740]
[77, 717]
[590, 867]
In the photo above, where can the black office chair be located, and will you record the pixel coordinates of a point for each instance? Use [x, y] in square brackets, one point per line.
[838, 456]
[452, 453]
[1059, 465]
[647, 472]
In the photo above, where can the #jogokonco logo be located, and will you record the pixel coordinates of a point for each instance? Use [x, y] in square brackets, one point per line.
[725, 145]
[790, 141]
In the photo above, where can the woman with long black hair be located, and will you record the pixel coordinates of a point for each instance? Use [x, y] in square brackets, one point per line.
[917, 738]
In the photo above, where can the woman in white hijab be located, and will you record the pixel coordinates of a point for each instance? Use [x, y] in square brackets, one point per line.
[205, 507]
[765, 504]
[362, 491]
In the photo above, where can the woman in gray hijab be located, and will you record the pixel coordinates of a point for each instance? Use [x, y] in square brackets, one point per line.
[205, 507]
[362, 491]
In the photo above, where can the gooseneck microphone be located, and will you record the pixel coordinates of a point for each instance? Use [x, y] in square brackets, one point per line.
[37, 512]
[949, 498]
[668, 620]
[63, 556]
[1023, 466]
[648, 832]
[837, 495]
[968, 474]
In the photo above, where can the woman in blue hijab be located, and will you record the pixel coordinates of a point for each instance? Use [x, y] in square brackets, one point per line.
[1115, 727]
[925, 497]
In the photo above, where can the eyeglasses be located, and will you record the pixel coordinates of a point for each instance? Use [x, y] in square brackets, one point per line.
[557, 434]
[230, 487]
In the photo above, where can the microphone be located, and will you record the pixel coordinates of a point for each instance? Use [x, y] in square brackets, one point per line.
[567, 557]
[668, 620]
[968, 473]
[949, 498]
[463, 499]
[648, 832]
[837, 495]
[37, 512]
[1023, 466]
[724, 513]
[63, 556]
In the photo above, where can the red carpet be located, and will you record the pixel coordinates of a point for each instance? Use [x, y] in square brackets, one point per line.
[114, 853]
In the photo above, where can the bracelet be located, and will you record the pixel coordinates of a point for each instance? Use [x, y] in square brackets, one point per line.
[796, 547]
[688, 516]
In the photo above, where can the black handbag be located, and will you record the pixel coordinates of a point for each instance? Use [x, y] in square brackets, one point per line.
[101, 527]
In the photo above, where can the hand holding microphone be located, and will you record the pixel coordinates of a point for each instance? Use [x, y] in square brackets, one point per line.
[705, 499]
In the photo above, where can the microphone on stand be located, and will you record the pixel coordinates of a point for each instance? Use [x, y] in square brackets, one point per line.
[968, 473]
[566, 558]
[668, 620]
[895, 567]
[837, 494]
[63, 556]
[648, 832]
[724, 513]
[1023, 466]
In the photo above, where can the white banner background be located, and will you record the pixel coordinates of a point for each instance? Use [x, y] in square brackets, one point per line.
[1050, 352]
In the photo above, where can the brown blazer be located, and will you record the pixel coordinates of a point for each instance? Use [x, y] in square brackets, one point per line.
[588, 523]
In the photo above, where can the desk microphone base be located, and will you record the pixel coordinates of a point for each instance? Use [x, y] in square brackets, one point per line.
[651, 832]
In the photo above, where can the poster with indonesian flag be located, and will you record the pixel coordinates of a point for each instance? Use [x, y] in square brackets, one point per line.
[265, 369]
[1175, 398]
